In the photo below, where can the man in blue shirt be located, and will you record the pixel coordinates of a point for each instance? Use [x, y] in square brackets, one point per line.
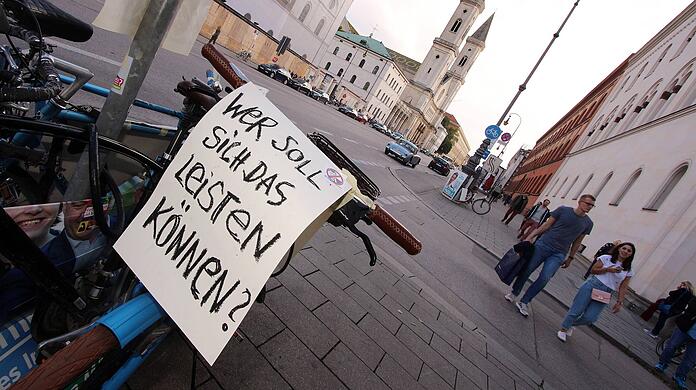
[564, 230]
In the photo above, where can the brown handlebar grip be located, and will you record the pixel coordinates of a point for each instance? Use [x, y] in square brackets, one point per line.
[63, 368]
[395, 230]
[221, 64]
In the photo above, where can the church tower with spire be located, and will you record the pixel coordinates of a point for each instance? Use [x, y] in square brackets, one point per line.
[454, 78]
[445, 48]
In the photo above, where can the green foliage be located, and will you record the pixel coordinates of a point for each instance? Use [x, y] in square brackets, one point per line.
[451, 137]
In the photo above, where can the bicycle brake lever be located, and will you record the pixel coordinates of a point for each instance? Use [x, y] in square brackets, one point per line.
[366, 241]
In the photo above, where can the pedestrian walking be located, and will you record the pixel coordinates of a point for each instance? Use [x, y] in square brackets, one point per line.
[684, 333]
[603, 250]
[535, 217]
[518, 204]
[564, 230]
[673, 305]
[214, 37]
[610, 273]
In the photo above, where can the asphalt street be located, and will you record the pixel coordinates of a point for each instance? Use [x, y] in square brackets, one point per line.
[458, 273]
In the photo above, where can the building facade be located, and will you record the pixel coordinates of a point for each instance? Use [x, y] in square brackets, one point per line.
[551, 149]
[511, 170]
[636, 157]
[434, 82]
[310, 24]
[362, 65]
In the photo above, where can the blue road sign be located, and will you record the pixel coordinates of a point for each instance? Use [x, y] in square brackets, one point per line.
[493, 132]
[486, 153]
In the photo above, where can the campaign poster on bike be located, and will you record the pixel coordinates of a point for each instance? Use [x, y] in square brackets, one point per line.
[243, 187]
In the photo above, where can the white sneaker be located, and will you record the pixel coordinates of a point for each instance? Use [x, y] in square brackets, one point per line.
[562, 335]
[649, 332]
[569, 332]
[522, 307]
[510, 297]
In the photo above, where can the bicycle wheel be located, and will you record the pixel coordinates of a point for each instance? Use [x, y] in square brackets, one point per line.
[72, 364]
[676, 358]
[481, 206]
[469, 196]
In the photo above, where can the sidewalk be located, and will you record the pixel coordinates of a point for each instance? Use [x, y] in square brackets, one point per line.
[333, 322]
[624, 329]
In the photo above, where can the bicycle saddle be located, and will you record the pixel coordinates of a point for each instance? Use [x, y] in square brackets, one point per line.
[52, 20]
[200, 93]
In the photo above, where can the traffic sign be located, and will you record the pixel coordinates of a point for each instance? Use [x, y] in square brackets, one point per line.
[493, 132]
[505, 137]
[486, 153]
[274, 59]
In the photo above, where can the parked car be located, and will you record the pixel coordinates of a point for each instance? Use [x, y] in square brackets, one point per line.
[404, 151]
[319, 96]
[448, 160]
[349, 111]
[397, 136]
[380, 127]
[275, 71]
[362, 117]
[440, 166]
[301, 85]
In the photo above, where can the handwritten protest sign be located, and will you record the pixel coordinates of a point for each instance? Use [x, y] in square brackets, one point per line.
[242, 188]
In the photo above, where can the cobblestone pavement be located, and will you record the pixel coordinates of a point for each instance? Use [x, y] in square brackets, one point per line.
[625, 329]
[332, 322]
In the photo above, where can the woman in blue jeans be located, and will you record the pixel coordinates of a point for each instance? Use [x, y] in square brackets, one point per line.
[610, 273]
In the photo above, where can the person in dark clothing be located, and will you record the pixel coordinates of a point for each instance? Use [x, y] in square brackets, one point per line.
[604, 250]
[673, 305]
[684, 333]
[536, 216]
[517, 205]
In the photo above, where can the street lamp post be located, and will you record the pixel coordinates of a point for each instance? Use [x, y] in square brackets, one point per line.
[513, 132]
[473, 162]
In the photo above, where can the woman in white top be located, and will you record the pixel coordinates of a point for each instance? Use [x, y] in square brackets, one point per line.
[610, 273]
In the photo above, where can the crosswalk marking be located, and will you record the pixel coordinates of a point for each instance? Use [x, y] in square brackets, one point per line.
[385, 201]
[350, 140]
[396, 199]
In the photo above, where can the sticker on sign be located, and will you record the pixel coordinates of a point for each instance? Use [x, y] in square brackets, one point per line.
[240, 191]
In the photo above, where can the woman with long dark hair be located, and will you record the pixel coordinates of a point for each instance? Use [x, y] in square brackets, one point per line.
[610, 273]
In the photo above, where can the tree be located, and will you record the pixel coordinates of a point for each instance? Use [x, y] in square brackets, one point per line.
[450, 139]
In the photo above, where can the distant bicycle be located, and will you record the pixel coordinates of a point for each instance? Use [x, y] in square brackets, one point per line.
[244, 55]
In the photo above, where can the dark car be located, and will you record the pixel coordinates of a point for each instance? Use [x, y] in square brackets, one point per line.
[275, 71]
[301, 85]
[319, 96]
[404, 151]
[440, 166]
[349, 111]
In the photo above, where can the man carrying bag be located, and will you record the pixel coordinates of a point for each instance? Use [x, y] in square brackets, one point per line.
[514, 261]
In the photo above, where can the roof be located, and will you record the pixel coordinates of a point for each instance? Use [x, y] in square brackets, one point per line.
[367, 42]
[452, 119]
[408, 66]
[482, 32]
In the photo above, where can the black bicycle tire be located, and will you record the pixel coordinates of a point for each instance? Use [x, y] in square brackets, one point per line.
[660, 346]
[480, 201]
[469, 196]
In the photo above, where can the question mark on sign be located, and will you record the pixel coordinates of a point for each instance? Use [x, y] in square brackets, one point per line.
[245, 304]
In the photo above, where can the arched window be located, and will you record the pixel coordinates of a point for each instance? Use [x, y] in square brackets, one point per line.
[305, 11]
[340, 72]
[366, 86]
[455, 26]
[352, 79]
[667, 188]
[582, 187]
[603, 184]
[335, 52]
[375, 69]
[328, 65]
[559, 188]
[362, 62]
[332, 5]
[685, 43]
[642, 68]
[349, 56]
[463, 61]
[659, 60]
[317, 30]
[570, 187]
[631, 181]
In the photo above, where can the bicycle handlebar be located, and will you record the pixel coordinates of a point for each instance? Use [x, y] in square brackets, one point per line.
[395, 230]
[221, 64]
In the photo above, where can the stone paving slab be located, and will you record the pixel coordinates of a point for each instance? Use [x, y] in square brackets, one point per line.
[624, 330]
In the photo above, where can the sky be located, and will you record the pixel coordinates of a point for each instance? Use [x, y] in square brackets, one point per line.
[599, 35]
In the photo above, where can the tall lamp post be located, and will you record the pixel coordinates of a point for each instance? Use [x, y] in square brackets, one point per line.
[473, 162]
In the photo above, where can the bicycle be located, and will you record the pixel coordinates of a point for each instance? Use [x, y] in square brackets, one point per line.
[110, 356]
[244, 55]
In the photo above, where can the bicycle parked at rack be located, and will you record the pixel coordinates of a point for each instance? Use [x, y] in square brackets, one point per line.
[97, 324]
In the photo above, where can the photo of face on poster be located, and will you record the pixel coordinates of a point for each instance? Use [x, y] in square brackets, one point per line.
[65, 232]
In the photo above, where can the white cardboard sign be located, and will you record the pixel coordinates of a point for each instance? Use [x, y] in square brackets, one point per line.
[242, 188]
